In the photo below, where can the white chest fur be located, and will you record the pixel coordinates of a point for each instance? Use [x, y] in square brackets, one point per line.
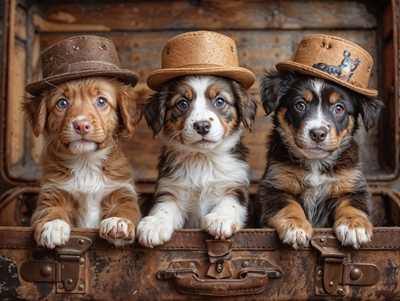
[88, 185]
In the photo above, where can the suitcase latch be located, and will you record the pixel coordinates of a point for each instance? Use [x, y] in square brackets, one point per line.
[219, 274]
[336, 272]
[66, 269]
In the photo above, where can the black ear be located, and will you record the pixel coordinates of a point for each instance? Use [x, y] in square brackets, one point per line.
[370, 110]
[154, 110]
[246, 104]
[273, 86]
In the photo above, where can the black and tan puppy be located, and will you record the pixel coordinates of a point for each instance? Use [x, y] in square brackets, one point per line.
[313, 176]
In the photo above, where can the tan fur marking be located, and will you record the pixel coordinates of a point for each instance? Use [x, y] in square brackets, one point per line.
[352, 218]
[308, 95]
[289, 218]
[334, 97]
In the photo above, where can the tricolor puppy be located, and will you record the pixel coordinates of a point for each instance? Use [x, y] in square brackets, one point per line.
[203, 173]
[313, 176]
[87, 182]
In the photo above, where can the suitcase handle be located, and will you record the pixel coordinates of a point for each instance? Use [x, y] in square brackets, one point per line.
[249, 282]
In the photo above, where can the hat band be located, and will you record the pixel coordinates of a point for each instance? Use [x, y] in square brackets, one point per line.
[82, 66]
[195, 66]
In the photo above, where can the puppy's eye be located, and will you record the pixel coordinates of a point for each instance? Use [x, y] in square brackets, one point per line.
[101, 102]
[300, 106]
[339, 109]
[62, 104]
[182, 104]
[219, 102]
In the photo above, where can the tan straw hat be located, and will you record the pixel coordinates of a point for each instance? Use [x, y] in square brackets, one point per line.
[200, 52]
[334, 59]
[77, 57]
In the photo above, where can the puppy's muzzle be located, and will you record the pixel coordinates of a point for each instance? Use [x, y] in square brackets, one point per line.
[82, 127]
[202, 127]
[318, 134]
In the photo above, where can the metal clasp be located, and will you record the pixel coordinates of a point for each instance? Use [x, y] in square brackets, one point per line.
[66, 269]
[336, 272]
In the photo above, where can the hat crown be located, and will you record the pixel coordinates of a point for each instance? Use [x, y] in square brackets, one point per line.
[200, 53]
[200, 48]
[79, 53]
[335, 59]
[78, 57]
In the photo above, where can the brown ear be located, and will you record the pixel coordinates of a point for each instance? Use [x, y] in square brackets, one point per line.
[130, 105]
[246, 104]
[35, 111]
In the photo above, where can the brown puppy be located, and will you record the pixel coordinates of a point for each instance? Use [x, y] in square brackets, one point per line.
[87, 181]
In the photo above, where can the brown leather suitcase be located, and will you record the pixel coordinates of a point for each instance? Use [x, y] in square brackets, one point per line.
[253, 264]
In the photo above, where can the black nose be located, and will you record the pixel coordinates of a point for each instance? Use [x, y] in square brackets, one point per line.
[318, 134]
[202, 127]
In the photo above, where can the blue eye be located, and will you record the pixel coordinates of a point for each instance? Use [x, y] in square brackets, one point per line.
[219, 102]
[183, 104]
[101, 102]
[62, 104]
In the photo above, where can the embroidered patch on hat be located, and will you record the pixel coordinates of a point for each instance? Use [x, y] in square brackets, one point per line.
[344, 71]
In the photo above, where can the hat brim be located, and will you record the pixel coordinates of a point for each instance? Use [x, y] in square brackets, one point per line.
[304, 69]
[244, 77]
[124, 75]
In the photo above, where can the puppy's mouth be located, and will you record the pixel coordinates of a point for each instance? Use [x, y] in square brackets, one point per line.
[204, 143]
[313, 152]
[82, 145]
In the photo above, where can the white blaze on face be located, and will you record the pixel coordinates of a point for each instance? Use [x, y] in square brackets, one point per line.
[319, 121]
[202, 111]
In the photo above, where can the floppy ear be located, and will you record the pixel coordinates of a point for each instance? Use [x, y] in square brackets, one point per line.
[130, 104]
[35, 110]
[370, 110]
[272, 88]
[247, 105]
[154, 110]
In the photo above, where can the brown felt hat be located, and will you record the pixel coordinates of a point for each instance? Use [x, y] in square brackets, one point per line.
[78, 57]
[334, 59]
[200, 52]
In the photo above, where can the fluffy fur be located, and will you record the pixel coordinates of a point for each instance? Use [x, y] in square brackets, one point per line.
[87, 182]
[203, 173]
[313, 176]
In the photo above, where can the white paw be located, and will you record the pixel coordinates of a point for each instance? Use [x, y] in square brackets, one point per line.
[153, 231]
[352, 237]
[296, 238]
[54, 233]
[118, 231]
[220, 227]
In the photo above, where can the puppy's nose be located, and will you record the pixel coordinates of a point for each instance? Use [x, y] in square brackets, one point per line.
[318, 134]
[202, 127]
[82, 127]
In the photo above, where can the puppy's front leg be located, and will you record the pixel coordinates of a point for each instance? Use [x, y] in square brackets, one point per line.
[158, 227]
[352, 226]
[51, 219]
[121, 214]
[292, 226]
[227, 218]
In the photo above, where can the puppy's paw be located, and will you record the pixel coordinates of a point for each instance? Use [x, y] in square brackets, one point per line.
[297, 234]
[220, 227]
[54, 233]
[353, 232]
[118, 231]
[153, 231]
